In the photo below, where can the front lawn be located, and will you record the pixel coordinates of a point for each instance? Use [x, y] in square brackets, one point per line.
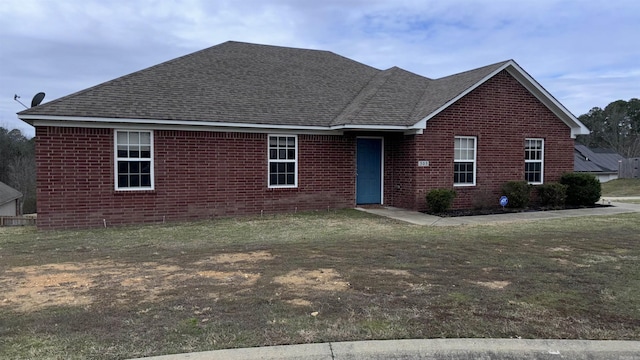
[312, 277]
[621, 187]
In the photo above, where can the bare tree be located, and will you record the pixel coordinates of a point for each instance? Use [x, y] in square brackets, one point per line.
[618, 131]
[17, 166]
[22, 176]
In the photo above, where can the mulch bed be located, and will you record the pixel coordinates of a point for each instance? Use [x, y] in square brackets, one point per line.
[496, 211]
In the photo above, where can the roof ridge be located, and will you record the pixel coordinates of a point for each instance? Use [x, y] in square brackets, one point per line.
[501, 63]
[267, 46]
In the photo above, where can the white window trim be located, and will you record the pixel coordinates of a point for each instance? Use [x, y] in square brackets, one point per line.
[541, 161]
[295, 161]
[116, 158]
[475, 163]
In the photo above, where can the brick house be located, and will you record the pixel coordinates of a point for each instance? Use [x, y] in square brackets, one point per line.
[242, 128]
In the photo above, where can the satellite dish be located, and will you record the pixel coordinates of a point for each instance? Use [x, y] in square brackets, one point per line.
[37, 99]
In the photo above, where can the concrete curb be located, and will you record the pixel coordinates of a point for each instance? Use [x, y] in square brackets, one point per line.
[433, 349]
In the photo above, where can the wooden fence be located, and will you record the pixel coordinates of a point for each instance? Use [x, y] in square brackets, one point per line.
[629, 168]
[17, 220]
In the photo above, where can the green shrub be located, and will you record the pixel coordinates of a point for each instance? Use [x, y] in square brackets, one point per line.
[582, 189]
[552, 195]
[440, 200]
[518, 193]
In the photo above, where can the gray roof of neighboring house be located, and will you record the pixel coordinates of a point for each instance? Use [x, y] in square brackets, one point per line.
[236, 84]
[595, 160]
[7, 193]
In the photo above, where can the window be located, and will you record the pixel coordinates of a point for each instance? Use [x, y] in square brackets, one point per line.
[534, 160]
[283, 161]
[134, 160]
[464, 161]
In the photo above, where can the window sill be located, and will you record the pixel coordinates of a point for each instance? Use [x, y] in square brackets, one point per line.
[134, 192]
[278, 188]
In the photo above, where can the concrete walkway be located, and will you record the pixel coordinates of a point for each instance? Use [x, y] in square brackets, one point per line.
[448, 349]
[418, 218]
[431, 349]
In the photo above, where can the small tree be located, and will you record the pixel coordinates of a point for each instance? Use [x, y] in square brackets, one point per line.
[552, 195]
[440, 200]
[518, 193]
[582, 189]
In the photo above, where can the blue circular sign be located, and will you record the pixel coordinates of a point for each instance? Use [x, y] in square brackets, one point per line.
[504, 201]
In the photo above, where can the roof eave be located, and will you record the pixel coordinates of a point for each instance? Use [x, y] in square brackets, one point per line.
[10, 194]
[93, 122]
[8, 200]
[409, 129]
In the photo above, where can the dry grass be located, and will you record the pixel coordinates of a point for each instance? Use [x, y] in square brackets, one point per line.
[150, 290]
[629, 201]
[621, 187]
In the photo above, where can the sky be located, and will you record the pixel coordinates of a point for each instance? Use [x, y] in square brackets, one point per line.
[585, 53]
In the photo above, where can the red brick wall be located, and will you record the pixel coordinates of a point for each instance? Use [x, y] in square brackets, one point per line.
[401, 170]
[197, 175]
[501, 113]
[207, 174]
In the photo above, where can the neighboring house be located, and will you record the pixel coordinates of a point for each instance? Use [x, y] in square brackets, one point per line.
[603, 163]
[9, 200]
[242, 129]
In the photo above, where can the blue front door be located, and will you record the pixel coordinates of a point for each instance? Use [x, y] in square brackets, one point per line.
[369, 171]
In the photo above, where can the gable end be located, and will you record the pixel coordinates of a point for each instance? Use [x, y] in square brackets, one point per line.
[533, 87]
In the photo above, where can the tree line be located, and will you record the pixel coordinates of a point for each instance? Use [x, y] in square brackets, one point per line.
[616, 127]
[18, 166]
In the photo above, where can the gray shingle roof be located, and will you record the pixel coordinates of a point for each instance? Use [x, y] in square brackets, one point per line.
[7, 193]
[595, 160]
[389, 98]
[266, 85]
[230, 82]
